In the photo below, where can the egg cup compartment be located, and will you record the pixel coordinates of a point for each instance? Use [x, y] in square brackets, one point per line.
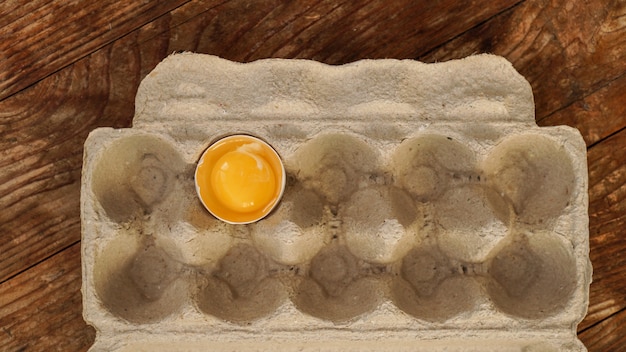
[430, 287]
[338, 287]
[138, 282]
[405, 223]
[241, 290]
[533, 275]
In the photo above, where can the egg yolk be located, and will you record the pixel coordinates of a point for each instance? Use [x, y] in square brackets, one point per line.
[243, 181]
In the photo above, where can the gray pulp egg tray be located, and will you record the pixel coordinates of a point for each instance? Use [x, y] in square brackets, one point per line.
[424, 211]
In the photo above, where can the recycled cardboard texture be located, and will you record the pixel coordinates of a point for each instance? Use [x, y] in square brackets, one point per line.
[424, 210]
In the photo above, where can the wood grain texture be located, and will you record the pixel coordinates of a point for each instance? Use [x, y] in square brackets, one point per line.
[67, 67]
[40, 37]
[597, 115]
[31, 321]
[607, 335]
[43, 129]
[607, 212]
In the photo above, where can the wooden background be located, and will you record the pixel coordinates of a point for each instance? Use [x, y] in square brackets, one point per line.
[69, 66]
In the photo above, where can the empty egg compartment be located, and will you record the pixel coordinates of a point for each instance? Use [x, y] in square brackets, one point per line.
[487, 226]
[133, 192]
[394, 234]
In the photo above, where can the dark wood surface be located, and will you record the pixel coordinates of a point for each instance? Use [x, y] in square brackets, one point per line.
[69, 66]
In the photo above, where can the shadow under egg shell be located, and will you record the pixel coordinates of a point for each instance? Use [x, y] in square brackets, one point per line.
[307, 208]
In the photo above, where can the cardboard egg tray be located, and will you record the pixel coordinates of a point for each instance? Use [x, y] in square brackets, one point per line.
[424, 211]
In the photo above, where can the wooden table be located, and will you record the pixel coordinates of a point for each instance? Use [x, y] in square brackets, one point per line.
[69, 66]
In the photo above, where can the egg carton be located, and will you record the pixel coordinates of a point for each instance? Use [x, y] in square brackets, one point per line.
[424, 210]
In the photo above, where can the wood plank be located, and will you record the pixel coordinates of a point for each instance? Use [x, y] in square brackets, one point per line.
[607, 212]
[329, 31]
[607, 335]
[597, 115]
[42, 37]
[41, 310]
[43, 129]
[563, 59]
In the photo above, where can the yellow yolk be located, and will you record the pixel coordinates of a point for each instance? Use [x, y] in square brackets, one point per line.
[243, 181]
